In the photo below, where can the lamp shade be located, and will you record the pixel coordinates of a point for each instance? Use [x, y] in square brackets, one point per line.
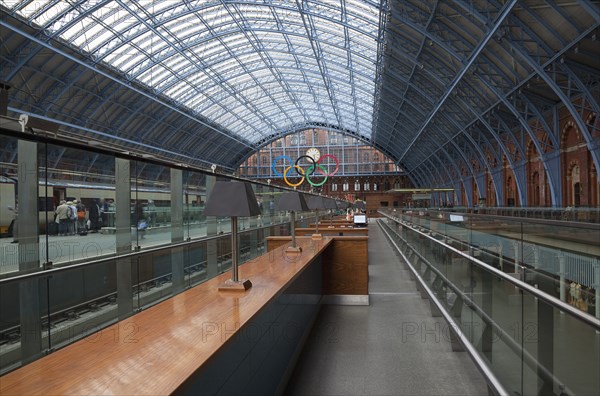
[316, 202]
[231, 199]
[342, 204]
[292, 201]
[330, 204]
[360, 205]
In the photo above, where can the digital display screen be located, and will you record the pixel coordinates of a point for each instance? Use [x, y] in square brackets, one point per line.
[360, 219]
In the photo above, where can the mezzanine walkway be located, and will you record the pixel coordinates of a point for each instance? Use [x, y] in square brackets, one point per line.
[392, 347]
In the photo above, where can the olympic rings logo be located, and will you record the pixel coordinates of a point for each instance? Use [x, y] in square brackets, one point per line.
[316, 166]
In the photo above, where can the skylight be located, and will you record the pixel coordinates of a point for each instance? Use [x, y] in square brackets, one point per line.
[253, 67]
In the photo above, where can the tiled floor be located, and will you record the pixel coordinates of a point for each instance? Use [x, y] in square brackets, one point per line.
[392, 347]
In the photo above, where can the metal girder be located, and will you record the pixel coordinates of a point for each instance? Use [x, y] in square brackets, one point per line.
[565, 96]
[549, 57]
[192, 60]
[109, 76]
[472, 58]
[553, 178]
[311, 34]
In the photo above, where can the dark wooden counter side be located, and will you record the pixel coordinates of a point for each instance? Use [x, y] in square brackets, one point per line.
[345, 266]
[159, 349]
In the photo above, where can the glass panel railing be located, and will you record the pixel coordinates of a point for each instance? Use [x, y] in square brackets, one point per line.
[524, 334]
[62, 277]
[84, 298]
[567, 251]
[580, 214]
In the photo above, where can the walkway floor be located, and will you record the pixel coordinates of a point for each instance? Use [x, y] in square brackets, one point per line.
[391, 347]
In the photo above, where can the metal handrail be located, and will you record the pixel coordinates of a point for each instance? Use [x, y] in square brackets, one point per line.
[529, 359]
[492, 381]
[514, 219]
[50, 272]
[553, 301]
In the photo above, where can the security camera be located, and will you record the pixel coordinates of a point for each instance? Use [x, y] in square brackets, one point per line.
[213, 167]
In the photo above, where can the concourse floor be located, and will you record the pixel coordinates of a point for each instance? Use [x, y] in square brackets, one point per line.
[391, 347]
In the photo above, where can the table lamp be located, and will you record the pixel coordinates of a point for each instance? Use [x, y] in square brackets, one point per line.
[293, 201]
[360, 205]
[330, 204]
[233, 199]
[317, 202]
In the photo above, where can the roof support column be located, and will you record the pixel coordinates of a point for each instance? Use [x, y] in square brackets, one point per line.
[212, 265]
[26, 231]
[123, 237]
[177, 256]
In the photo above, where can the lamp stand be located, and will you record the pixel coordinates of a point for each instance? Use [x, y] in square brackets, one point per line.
[234, 284]
[316, 235]
[294, 248]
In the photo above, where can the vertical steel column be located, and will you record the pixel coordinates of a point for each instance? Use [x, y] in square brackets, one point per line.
[123, 237]
[177, 261]
[27, 234]
[562, 261]
[516, 247]
[234, 249]
[212, 268]
[293, 228]
[597, 286]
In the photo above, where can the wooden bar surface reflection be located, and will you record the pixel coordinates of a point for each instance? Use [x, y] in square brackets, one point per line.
[158, 349]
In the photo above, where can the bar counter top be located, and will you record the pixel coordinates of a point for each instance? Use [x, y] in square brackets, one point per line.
[158, 349]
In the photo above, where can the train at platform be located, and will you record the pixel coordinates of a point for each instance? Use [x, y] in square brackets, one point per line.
[51, 193]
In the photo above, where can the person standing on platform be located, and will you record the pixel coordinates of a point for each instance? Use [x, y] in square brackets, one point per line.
[72, 217]
[62, 215]
[81, 226]
[14, 226]
[94, 216]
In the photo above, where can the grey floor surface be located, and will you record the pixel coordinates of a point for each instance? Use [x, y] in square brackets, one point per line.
[391, 347]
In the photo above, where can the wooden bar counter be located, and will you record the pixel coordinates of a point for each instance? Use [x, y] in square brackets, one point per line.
[186, 344]
[345, 267]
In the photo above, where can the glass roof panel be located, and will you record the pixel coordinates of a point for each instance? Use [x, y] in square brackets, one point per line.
[234, 62]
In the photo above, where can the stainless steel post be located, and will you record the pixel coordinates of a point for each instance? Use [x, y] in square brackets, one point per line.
[234, 249]
[293, 229]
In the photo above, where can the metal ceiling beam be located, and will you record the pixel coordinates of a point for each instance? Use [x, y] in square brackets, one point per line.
[472, 58]
[317, 51]
[111, 77]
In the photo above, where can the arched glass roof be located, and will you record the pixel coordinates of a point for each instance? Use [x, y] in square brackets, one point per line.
[448, 89]
[251, 67]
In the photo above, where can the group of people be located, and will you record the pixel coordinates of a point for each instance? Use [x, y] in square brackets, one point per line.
[73, 217]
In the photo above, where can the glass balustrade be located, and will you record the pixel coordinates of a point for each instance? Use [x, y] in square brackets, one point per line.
[506, 299]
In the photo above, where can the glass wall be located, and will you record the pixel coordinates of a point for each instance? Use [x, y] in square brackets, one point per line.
[89, 238]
